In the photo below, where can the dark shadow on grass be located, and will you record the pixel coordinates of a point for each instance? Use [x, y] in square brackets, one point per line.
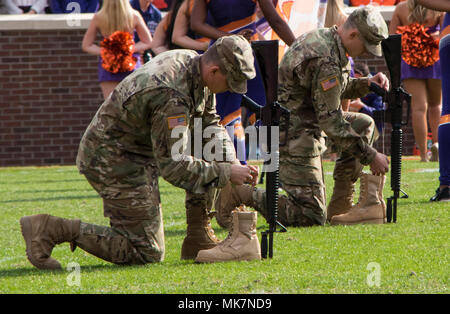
[174, 233]
[44, 199]
[54, 191]
[411, 201]
[26, 271]
[166, 192]
[32, 271]
[40, 181]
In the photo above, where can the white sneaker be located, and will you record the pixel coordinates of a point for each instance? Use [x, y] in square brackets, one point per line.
[434, 152]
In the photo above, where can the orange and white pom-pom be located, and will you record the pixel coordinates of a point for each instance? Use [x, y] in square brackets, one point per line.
[419, 48]
[117, 52]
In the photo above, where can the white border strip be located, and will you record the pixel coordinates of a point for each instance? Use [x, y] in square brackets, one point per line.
[81, 21]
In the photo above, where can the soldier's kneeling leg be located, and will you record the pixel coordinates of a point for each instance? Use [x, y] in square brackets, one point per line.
[129, 240]
[348, 169]
[303, 206]
[364, 125]
[302, 180]
[132, 203]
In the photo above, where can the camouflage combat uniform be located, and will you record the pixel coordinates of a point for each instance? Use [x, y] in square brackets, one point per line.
[128, 145]
[314, 75]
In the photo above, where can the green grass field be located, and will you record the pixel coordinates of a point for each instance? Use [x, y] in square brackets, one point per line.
[411, 256]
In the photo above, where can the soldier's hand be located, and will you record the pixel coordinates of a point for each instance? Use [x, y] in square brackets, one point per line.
[241, 174]
[247, 33]
[380, 164]
[381, 80]
[254, 171]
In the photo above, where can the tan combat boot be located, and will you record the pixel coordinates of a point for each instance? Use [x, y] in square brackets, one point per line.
[42, 232]
[241, 244]
[199, 234]
[342, 198]
[369, 208]
[231, 198]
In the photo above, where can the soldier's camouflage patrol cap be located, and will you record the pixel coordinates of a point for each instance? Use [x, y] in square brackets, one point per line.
[371, 26]
[237, 60]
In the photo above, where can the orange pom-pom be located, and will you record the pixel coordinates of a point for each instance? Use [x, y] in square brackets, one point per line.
[117, 52]
[419, 48]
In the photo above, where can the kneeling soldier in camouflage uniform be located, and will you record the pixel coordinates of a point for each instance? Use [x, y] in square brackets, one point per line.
[314, 75]
[129, 143]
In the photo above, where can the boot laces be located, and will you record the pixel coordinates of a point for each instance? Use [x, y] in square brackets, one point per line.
[230, 235]
[349, 197]
[210, 231]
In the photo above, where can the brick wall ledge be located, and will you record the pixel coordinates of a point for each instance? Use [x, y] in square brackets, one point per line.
[45, 21]
[81, 21]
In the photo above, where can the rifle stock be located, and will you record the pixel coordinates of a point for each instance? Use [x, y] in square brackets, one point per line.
[392, 54]
[267, 61]
[266, 53]
[397, 98]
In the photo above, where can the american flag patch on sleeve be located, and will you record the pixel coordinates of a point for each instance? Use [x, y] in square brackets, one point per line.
[329, 83]
[173, 122]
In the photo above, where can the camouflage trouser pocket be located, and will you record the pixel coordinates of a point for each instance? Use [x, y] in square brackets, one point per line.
[306, 145]
[132, 204]
[301, 171]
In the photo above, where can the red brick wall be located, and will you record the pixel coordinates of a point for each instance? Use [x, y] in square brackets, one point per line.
[49, 93]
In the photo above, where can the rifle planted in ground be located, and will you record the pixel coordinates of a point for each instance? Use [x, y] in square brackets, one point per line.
[397, 99]
[266, 53]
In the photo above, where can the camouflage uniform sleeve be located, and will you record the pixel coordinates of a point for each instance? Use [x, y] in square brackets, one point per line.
[326, 96]
[211, 122]
[356, 88]
[169, 129]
